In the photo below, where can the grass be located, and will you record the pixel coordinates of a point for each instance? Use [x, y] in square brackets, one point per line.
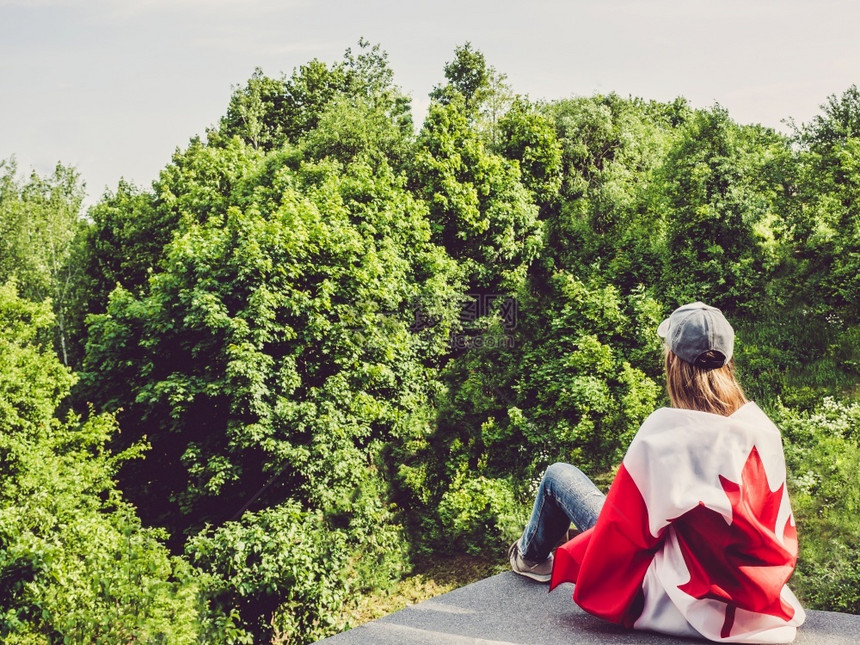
[432, 579]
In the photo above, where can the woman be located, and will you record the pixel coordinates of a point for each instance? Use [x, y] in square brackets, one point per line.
[696, 535]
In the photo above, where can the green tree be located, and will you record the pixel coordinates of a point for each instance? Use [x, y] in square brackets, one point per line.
[282, 319]
[355, 128]
[38, 222]
[604, 223]
[581, 378]
[479, 210]
[124, 240]
[715, 201]
[839, 122]
[569, 378]
[468, 76]
[75, 563]
[268, 113]
[275, 358]
[258, 112]
[120, 242]
[824, 216]
[528, 136]
[484, 91]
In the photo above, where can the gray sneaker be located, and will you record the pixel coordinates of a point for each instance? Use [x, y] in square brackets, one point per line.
[540, 571]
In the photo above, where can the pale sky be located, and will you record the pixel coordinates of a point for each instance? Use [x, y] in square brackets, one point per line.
[114, 87]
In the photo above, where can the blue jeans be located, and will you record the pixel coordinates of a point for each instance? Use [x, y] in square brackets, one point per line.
[565, 495]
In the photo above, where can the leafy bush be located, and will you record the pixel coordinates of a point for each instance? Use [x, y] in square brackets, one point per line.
[823, 459]
[277, 337]
[289, 573]
[75, 563]
[480, 515]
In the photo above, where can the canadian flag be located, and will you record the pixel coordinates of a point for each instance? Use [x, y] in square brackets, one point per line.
[696, 537]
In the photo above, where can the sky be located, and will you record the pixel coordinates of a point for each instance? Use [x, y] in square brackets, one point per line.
[113, 87]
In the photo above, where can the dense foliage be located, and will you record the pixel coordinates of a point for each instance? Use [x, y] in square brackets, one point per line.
[75, 565]
[323, 346]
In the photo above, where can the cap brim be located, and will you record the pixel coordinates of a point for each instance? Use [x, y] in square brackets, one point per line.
[663, 329]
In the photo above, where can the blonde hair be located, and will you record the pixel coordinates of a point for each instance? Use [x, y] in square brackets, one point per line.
[708, 390]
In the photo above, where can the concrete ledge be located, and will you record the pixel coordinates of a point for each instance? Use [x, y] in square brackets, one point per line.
[508, 609]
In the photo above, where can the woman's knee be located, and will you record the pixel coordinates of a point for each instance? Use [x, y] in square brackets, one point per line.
[559, 472]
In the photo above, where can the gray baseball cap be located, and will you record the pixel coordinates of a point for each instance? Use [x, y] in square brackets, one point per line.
[696, 328]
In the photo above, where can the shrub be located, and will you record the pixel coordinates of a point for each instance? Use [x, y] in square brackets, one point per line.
[480, 515]
[823, 458]
[75, 563]
[288, 572]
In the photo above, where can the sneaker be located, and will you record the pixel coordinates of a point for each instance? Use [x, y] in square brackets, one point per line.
[540, 571]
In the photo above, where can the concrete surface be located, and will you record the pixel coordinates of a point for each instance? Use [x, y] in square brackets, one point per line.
[508, 609]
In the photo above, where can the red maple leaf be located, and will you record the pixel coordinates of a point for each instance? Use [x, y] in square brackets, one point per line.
[744, 563]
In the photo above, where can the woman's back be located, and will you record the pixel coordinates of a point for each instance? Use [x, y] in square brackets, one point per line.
[696, 536]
